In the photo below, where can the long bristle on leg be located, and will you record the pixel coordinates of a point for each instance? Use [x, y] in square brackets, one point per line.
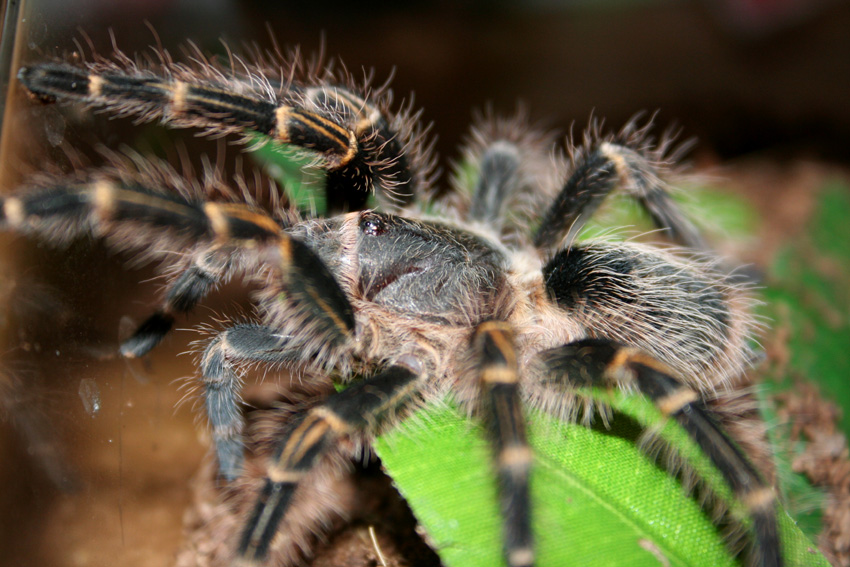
[604, 363]
[361, 408]
[496, 361]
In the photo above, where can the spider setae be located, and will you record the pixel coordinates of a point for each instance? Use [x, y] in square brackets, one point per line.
[401, 306]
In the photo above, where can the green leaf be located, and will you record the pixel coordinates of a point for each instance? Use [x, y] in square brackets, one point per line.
[597, 499]
[304, 186]
[717, 213]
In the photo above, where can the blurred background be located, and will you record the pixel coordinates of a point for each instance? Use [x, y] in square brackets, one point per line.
[764, 86]
[741, 75]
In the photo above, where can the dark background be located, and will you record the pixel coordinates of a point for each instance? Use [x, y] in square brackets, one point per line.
[742, 76]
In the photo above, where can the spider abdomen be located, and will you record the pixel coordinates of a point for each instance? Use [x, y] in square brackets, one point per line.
[679, 310]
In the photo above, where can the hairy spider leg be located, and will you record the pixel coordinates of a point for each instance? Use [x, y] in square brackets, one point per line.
[359, 150]
[135, 217]
[605, 167]
[234, 346]
[192, 284]
[362, 408]
[497, 180]
[184, 104]
[604, 363]
[493, 344]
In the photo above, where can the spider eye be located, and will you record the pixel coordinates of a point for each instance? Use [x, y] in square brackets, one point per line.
[372, 225]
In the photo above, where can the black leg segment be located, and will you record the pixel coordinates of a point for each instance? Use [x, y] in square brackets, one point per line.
[361, 408]
[238, 345]
[495, 353]
[190, 287]
[498, 179]
[601, 362]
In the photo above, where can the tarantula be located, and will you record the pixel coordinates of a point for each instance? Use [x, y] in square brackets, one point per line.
[401, 306]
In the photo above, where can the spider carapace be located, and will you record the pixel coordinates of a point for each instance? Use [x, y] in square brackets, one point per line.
[402, 306]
